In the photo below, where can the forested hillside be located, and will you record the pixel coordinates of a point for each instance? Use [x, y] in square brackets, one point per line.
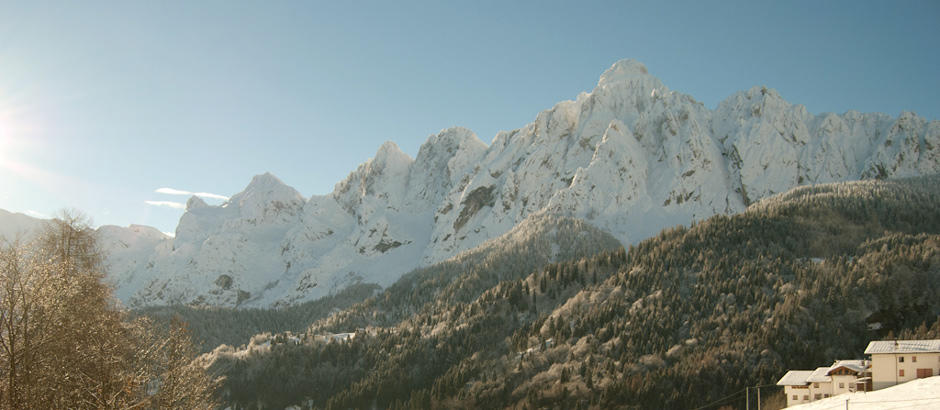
[283, 374]
[796, 281]
[214, 326]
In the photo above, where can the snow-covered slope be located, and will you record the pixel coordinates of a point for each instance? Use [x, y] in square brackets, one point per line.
[128, 249]
[630, 157]
[129, 252]
[920, 394]
[17, 226]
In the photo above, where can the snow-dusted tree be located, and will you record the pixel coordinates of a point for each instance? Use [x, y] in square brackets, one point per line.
[64, 343]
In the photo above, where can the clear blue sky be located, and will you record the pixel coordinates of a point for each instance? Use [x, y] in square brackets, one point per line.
[102, 103]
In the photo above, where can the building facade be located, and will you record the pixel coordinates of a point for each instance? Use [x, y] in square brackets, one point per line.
[898, 361]
[844, 376]
[796, 387]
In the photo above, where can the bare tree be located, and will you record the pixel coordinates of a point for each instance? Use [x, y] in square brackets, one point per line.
[64, 343]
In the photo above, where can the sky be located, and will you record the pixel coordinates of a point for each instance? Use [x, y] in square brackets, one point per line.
[122, 109]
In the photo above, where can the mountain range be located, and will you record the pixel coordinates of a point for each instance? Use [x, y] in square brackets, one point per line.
[799, 278]
[631, 157]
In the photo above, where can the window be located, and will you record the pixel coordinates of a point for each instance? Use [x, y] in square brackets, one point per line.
[841, 385]
[817, 396]
[901, 359]
[913, 359]
[901, 373]
[826, 395]
[805, 397]
[795, 397]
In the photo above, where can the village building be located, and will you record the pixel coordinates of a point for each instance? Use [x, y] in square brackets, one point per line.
[844, 376]
[850, 376]
[796, 386]
[892, 362]
[898, 361]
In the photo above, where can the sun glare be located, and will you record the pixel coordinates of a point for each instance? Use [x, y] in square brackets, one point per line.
[15, 134]
[6, 140]
[5, 144]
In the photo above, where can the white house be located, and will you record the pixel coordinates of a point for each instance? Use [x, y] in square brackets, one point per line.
[796, 386]
[804, 386]
[899, 361]
[849, 376]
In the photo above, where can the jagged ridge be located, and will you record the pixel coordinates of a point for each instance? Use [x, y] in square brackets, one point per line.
[631, 157]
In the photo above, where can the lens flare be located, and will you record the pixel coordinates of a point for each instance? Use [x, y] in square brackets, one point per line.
[18, 131]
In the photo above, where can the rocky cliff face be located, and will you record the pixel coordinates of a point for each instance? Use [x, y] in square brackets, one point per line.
[630, 157]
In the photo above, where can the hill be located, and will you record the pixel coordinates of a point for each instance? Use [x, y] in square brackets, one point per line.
[799, 278]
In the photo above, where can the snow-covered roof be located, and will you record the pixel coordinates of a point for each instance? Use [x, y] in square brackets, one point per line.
[795, 378]
[857, 366]
[821, 374]
[903, 346]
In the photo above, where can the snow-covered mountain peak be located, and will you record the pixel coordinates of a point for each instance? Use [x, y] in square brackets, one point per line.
[756, 101]
[624, 71]
[768, 96]
[266, 187]
[442, 161]
[265, 197]
[389, 155]
[195, 202]
[452, 138]
[630, 157]
[455, 148]
[383, 177]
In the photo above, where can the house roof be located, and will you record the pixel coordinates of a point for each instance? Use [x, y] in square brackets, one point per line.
[795, 378]
[903, 346]
[856, 366]
[821, 374]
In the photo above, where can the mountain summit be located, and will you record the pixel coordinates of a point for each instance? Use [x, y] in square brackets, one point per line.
[630, 157]
[622, 71]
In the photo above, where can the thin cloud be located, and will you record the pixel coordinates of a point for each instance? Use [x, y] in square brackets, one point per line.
[174, 191]
[210, 195]
[169, 204]
[171, 191]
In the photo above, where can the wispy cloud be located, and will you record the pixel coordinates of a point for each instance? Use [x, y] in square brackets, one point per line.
[169, 204]
[171, 191]
[174, 191]
[211, 195]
